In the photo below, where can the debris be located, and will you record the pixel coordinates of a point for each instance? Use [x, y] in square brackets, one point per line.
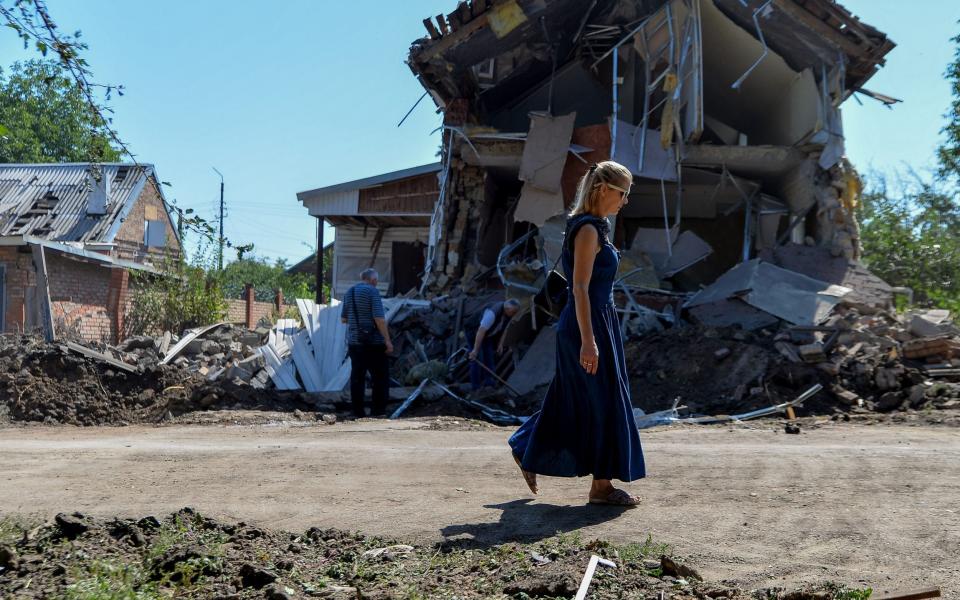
[675, 569]
[588, 574]
[943, 346]
[100, 356]
[537, 366]
[389, 552]
[791, 296]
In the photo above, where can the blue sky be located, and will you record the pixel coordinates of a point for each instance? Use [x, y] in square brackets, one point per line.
[284, 97]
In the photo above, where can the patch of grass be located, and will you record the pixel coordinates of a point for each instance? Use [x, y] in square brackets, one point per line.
[12, 529]
[105, 580]
[844, 593]
[635, 551]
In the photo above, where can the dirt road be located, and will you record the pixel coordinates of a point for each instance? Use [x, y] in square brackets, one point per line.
[868, 505]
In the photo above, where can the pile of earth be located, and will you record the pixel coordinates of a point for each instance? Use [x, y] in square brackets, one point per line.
[187, 555]
[44, 382]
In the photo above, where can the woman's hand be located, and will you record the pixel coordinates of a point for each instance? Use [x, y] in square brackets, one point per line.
[589, 357]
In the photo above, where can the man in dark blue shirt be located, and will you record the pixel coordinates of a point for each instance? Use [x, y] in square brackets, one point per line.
[369, 343]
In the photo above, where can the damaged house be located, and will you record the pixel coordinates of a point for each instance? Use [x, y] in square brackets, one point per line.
[70, 234]
[381, 222]
[726, 111]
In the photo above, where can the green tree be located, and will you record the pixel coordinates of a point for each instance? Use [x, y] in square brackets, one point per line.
[45, 117]
[910, 235]
[266, 278]
[948, 154]
[182, 295]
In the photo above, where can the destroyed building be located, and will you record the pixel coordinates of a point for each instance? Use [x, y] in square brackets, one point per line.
[726, 111]
[70, 234]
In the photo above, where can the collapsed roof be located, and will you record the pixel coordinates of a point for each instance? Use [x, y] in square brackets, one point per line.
[492, 51]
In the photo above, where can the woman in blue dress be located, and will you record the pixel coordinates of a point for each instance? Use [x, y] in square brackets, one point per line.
[586, 425]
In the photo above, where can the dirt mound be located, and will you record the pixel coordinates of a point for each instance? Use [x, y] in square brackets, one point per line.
[189, 555]
[49, 383]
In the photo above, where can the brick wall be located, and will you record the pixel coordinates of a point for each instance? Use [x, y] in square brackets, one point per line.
[19, 280]
[129, 239]
[84, 297]
[80, 295]
[237, 311]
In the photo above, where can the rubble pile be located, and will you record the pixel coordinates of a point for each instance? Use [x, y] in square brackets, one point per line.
[101, 385]
[878, 362]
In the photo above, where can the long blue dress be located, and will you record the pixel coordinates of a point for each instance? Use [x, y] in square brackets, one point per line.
[586, 425]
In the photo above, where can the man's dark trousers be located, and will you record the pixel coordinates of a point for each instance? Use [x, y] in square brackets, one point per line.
[372, 358]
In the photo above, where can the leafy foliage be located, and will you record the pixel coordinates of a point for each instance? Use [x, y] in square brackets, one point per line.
[46, 118]
[182, 296]
[911, 237]
[266, 278]
[948, 154]
[32, 23]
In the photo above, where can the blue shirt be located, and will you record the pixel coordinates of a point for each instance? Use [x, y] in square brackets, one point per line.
[369, 306]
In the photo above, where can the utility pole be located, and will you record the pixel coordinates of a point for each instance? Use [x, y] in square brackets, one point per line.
[220, 250]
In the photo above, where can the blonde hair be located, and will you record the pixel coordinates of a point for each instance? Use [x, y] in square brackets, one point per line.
[588, 190]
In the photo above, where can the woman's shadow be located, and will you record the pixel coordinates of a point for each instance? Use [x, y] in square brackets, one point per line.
[521, 521]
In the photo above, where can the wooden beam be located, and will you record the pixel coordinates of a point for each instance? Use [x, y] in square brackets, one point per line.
[431, 29]
[820, 27]
[464, 10]
[43, 292]
[453, 20]
[442, 23]
[449, 41]
[478, 7]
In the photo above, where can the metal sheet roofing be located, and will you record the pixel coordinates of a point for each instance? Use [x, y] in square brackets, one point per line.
[49, 201]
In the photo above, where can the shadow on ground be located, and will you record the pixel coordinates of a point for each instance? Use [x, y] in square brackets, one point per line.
[521, 521]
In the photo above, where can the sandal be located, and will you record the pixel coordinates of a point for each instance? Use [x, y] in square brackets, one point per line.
[530, 478]
[617, 497]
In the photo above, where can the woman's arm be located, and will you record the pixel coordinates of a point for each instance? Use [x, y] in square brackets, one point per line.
[585, 247]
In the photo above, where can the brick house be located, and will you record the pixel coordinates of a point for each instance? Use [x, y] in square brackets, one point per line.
[70, 235]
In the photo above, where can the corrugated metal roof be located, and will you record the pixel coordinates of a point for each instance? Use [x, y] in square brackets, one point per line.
[49, 201]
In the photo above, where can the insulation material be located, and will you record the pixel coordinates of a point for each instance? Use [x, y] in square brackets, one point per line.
[785, 294]
[657, 162]
[505, 17]
[541, 168]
